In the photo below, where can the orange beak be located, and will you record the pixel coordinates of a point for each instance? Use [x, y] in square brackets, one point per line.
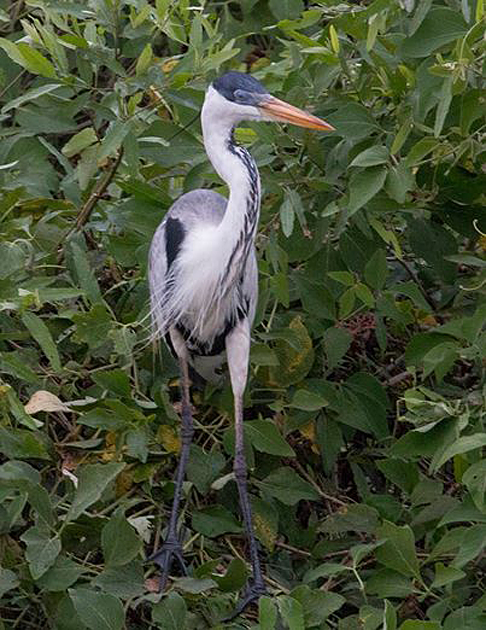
[279, 110]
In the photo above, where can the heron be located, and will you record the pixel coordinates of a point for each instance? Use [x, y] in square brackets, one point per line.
[203, 283]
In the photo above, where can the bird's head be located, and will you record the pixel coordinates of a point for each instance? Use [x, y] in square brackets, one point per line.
[237, 96]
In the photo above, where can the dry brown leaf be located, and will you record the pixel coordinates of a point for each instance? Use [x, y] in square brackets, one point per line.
[152, 585]
[45, 401]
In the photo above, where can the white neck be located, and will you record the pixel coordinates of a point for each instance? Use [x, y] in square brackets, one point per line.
[233, 164]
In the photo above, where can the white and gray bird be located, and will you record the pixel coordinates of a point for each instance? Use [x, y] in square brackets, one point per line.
[203, 280]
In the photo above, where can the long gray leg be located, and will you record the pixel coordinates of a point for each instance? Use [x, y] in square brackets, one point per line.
[172, 549]
[238, 351]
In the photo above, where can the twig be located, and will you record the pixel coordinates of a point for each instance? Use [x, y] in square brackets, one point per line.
[414, 277]
[98, 191]
[317, 487]
[12, 83]
[300, 552]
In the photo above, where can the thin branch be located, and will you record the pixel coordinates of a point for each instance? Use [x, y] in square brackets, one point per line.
[98, 191]
[414, 277]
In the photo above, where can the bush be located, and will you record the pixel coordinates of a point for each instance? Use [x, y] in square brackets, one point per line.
[366, 406]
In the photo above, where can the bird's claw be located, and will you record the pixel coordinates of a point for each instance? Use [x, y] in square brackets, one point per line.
[251, 594]
[164, 557]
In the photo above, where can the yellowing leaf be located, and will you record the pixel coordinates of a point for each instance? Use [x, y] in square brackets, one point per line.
[309, 432]
[144, 60]
[265, 521]
[169, 65]
[294, 364]
[169, 439]
[334, 38]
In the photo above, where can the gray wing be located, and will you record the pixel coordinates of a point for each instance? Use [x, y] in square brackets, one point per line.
[195, 207]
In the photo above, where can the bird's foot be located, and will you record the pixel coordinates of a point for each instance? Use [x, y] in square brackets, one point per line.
[252, 592]
[164, 557]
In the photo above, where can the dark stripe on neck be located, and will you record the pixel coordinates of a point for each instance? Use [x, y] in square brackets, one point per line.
[247, 234]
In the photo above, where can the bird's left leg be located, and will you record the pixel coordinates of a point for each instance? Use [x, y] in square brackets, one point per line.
[172, 549]
[238, 351]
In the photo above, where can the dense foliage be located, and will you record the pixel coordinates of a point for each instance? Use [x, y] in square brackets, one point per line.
[366, 406]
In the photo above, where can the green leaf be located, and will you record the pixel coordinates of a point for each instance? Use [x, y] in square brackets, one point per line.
[421, 344]
[401, 136]
[267, 613]
[115, 381]
[235, 577]
[420, 149]
[475, 480]
[92, 481]
[214, 521]
[445, 99]
[85, 274]
[398, 552]
[472, 544]
[292, 612]
[170, 613]
[285, 485]
[120, 541]
[8, 581]
[388, 583]
[364, 294]
[389, 617]
[195, 585]
[316, 605]
[144, 60]
[343, 277]
[376, 270]
[43, 336]
[446, 575]
[93, 327]
[355, 518]
[462, 445]
[364, 186]
[113, 139]
[439, 27]
[99, 611]
[42, 550]
[286, 9]
[80, 141]
[11, 363]
[399, 181]
[13, 259]
[413, 624]
[203, 468]
[30, 95]
[28, 57]
[19, 471]
[336, 343]
[307, 401]
[287, 216]
[371, 157]
[326, 570]
[421, 234]
[22, 444]
[124, 581]
[266, 438]
[15, 406]
[61, 575]
[353, 121]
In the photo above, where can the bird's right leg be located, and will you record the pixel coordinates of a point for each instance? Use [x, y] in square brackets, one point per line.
[172, 549]
[238, 351]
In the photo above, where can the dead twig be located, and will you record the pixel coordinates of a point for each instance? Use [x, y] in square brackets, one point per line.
[98, 192]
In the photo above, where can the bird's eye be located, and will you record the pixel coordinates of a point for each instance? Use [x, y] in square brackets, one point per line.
[244, 98]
